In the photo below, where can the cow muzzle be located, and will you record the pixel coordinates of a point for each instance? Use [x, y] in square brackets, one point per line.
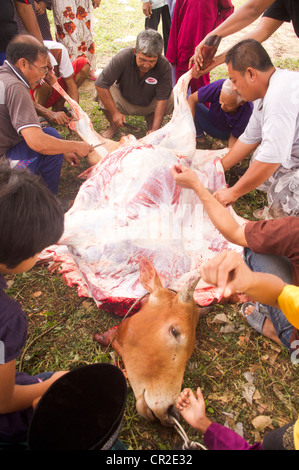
[159, 412]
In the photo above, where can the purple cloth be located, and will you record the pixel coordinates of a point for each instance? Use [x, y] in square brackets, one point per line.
[234, 123]
[218, 437]
[13, 333]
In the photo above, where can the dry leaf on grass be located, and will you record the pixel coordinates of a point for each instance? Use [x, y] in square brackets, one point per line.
[261, 422]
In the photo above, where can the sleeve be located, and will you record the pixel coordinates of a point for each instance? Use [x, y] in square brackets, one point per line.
[66, 68]
[218, 437]
[225, 9]
[111, 73]
[13, 332]
[278, 11]
[20, 107]
[253, 131]
[288, 302]
[242, 122]
[164, 86]
[273, 237]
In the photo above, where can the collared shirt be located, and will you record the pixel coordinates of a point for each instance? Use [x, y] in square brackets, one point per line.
[16, 107]
[122, 69]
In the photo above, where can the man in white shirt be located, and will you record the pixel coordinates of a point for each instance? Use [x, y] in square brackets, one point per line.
[70, 75]
[272, 131]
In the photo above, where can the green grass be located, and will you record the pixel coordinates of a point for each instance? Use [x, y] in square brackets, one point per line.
[61, 326]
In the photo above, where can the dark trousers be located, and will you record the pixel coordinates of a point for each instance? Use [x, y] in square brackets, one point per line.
[154, 20]
[47, 166]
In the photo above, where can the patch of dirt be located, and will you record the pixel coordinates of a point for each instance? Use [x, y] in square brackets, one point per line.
[282, 44]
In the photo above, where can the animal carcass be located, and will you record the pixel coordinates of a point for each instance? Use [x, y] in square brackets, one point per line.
[129, 209]
[156, 343]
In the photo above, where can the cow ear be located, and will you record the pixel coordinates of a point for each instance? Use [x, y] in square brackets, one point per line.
[148, 276]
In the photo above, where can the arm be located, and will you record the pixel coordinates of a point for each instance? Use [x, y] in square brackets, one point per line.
[59, 117]
[192, 100]
[241, 18]
[96, 3]
[265, 29]
[106, 97]
[230, 274]
[147, 9]
[19, 397]
[159, 114]
[237, 154]
[231, 141]
[219, 215]
[37, 140]
[28, 19]
[71, 88]
[257, 173]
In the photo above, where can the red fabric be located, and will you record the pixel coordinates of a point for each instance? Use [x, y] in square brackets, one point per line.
[78, 64]
[192, 21]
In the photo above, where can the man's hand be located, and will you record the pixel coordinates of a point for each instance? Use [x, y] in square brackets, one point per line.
[96, 3]
[118, 118]
[71, 158]
[147, 9]
[228, 272]
[226, 196]
[184, 177]
[60, 118]
[40, 8]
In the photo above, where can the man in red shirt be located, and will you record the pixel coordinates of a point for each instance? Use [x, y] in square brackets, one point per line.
[270, 246]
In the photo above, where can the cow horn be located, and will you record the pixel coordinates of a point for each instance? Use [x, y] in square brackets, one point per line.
[186, 293]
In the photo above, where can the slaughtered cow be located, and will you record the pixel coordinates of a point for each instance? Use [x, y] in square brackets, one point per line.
[129, 213]
[156, 343]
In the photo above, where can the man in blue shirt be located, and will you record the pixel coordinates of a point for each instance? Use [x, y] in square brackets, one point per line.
[227, 116]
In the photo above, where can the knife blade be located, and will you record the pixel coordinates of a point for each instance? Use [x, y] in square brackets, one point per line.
[130, 126]
[97, 145]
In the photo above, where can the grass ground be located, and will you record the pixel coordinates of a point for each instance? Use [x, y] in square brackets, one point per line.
[61, 326]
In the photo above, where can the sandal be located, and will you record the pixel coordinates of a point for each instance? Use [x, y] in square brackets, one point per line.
[256, 319]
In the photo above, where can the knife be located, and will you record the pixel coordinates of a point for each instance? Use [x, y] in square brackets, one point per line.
[130, 126]
[97, 145]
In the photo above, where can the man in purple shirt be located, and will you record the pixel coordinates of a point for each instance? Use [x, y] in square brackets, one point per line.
[227, 116]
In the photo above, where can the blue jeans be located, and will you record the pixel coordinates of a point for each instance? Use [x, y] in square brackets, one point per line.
[47, 166]
[279, 266]
[203, 124]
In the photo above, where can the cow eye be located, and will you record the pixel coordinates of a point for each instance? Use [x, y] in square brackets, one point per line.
[175, 332]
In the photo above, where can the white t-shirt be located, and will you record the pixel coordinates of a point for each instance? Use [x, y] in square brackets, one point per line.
[65, 66]
[275, 121]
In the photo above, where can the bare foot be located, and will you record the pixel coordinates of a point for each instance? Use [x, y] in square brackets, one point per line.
[109, 133]
[268, 328]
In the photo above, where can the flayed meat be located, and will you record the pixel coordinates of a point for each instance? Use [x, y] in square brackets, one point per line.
[209, 49]
[82, 125]
[130, 207]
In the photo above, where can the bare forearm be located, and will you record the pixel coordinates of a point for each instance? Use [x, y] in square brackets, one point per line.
[257, 173]
[242, 17]
[221, 217]
[28, 19]
[107, 100]
[265, 288]
[159, 114]
[238, 153]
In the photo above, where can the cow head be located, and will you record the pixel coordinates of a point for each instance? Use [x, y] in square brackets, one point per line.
[155, 344]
